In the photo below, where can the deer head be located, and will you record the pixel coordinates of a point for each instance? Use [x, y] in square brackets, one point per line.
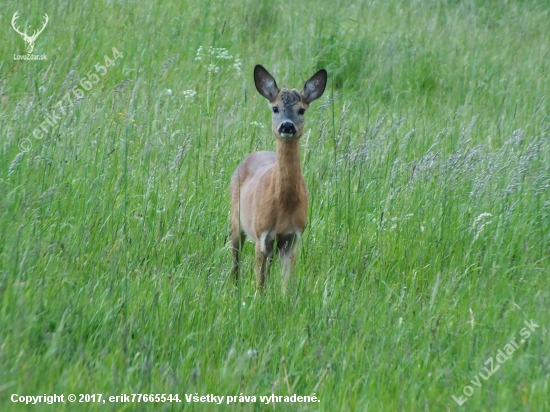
[29, 39]
[288, 106]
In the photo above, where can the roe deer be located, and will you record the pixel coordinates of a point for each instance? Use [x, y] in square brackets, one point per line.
[269, 197]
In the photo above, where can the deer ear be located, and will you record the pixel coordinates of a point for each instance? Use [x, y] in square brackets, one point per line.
[265, 83]
[315, 86]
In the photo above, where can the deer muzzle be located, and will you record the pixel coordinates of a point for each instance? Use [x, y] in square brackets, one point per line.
[287, 130]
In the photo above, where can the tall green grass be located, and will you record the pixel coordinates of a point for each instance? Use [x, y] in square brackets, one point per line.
[427, 247]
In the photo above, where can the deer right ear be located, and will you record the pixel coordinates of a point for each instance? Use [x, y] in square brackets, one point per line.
[265, 83]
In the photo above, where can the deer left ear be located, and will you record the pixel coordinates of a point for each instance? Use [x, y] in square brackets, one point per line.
[315, 86]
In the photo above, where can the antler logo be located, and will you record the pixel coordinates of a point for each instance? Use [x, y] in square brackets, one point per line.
[29, 39]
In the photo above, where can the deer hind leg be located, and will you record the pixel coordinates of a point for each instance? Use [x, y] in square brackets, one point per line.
[286, 247]
[237, 240]
[264, 254]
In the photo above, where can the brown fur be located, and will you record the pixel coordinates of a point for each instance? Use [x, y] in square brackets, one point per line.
[268, 191]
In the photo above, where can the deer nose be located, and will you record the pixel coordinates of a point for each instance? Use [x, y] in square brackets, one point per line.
[287, 128]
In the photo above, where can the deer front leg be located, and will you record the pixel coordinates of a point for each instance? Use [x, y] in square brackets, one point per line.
[286, 246]
[264, 253]
[288, 262]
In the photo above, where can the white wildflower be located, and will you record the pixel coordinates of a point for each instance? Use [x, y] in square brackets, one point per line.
[199, 54]
[220, 53]
[212, 68]
[189, 94]
[257, 124]
[169, 92]
[238, 65]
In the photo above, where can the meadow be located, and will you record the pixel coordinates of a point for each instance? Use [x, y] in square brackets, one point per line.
[427, 246]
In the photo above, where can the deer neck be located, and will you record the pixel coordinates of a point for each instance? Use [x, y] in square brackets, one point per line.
[287, 175]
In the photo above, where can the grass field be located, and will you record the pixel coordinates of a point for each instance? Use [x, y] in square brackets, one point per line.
[428, 240]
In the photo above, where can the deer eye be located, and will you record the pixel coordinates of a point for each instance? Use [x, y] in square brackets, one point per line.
[275, 109]
[301, 112]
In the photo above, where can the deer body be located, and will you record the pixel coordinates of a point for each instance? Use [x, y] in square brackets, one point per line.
[268, 191]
